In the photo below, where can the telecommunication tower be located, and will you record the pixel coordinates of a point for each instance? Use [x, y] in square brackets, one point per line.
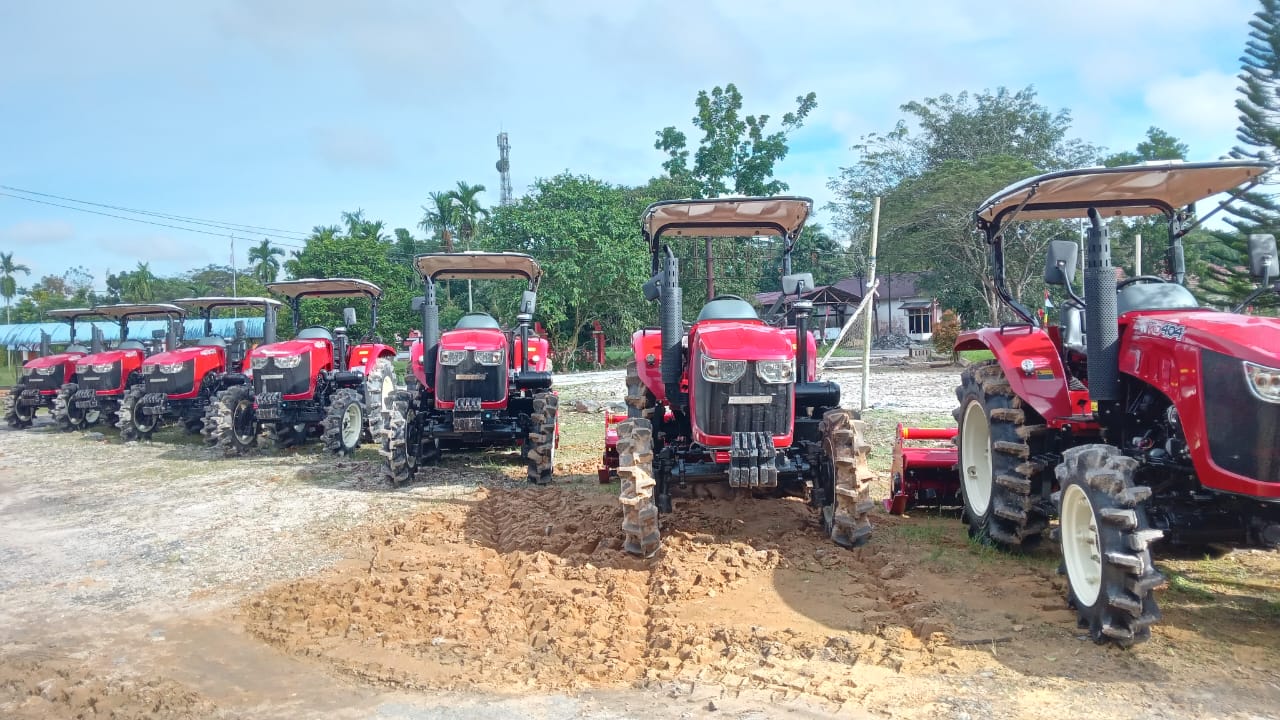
[504, 168]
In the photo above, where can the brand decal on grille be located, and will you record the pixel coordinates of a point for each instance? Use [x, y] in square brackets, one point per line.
[469, 376]
[750, 400]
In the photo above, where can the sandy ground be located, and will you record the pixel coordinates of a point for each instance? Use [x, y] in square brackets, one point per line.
[159, 580]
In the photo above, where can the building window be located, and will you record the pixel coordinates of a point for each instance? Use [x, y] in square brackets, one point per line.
[919, 321]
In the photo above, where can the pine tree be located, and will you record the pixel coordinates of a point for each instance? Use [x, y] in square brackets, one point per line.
[1259, 136]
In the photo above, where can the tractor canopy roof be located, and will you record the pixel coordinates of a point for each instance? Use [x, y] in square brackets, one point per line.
[727, 217]
[330, 287]
[1152, 188]
[71, 313]
[128, 310]
[203, 304]
[478, 265]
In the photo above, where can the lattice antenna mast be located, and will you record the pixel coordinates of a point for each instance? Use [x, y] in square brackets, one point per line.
[504, 168]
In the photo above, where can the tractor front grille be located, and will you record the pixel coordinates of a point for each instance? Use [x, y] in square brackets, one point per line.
[286, 381]
[470, 379]
[718, 413]
[53, 381]
[183, 381]
[1244, 432]
[99, 382]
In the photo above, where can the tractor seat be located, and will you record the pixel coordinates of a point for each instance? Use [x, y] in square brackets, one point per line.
[74, 348]
[727, 307]
[211, 341]
[130, 345]
[315, 332]
[477, 321]
[1154, 296]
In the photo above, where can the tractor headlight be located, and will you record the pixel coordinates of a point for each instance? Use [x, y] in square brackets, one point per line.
[26, 371]
[488, 357]
[258, 362]
[171, 368]
[776, 372]
[103, 367]
[83, 368]
[49, 370]
[452, 357]
[722, 371]
[288, 362]
[147, 369]
[1263, 381]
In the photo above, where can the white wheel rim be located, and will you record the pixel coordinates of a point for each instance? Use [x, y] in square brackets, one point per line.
[1080, 548]
[141, 420]
[351, 426]
[975, 446]
[388, 388]
[242, 406]
[92, 416]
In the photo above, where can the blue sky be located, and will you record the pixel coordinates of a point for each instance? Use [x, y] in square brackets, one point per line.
[283, 114]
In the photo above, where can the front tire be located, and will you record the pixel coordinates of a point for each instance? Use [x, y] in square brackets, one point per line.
[541, 441]
[230, 422]
[1105, 538]
[1000, 481]
[67, 415]
[15, 416]
[133, 422]
[344, 423]
[379, 393]
[846, 516]
[400, 460]
[641, 534]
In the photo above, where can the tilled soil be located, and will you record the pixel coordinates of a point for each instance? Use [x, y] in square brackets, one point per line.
[31, 690]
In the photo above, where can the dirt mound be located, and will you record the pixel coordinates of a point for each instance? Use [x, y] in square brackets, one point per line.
[530, 588]
[32, 689]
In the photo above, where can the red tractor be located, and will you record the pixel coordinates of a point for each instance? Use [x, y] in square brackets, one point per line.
[42, 377]
[475, 385]
[731, 399]
[104, 376]
[180, 384]
[318, 383]
[1153, 418]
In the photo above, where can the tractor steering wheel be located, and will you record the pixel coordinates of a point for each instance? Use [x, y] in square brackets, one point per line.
[1141, 279]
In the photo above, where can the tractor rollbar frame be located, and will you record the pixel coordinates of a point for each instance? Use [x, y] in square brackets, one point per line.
[995, 242]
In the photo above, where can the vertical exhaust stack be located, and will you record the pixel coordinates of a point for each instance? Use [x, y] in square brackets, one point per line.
[96, 341]
[269, 325]
[430, 318]
[671, 324]
[803, 308]
[171, 334]
[46, 348]
[1103, 331]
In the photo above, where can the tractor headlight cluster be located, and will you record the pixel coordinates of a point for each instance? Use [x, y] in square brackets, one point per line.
[48, 370]
[776, 372]
[83, 368]
[1263, 381]
[488, 357]
[147, 370]
[452, 357]
[103, 367]
[26, 371]
[171, 368]
[258, 362]
[288, 362]
[722, 371]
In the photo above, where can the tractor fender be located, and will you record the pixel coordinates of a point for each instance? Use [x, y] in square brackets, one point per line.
[646, 348]
[366, 356]
[1043, 385]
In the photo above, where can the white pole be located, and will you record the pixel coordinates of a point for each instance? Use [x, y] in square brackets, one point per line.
[871, 281]
[1137, 254]
[868, 297]
[234, 312]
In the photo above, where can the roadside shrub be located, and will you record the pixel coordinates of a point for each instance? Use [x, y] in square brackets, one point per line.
[945, 332]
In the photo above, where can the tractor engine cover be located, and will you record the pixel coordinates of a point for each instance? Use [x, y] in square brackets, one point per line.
[742, 399]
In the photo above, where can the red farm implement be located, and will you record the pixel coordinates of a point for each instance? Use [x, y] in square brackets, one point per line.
[923, 476]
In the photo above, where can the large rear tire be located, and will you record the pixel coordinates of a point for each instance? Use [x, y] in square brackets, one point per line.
[133, 422]
[641, 534]
[379, 393]
[1001, 483]
[541, 441]
[639, 400]
[1105, 537]
[399, 463]
[15, 416]
[344, 423]
[230, 422]
[846, 517]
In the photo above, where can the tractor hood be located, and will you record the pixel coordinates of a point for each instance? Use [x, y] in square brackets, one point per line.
[109, 356]
[53, 360]
[744, 340]
[473, 339]
[186, 354]
[296, 346]
[1247, 337]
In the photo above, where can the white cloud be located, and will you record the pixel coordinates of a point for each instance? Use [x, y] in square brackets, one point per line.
[1200, 105]
[37, 232]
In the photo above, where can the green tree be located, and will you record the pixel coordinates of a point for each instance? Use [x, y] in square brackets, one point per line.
[140, 285]
[262, 257]
[440, 218]
[467, 211]
[736, 153]
[8, 283]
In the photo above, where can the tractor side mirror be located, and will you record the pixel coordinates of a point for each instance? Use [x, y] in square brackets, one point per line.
[797, 284]
[418, 302]
[349, 316]
[1060, 264]
[1262, 257]
[651, 291]
[528, 300]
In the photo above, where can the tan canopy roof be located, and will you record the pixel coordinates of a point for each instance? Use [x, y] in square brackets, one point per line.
[1146, 189]
[204, 303]
[124, 310]
[727, 217]
[333, 287]
[477, 264]
[71, 312]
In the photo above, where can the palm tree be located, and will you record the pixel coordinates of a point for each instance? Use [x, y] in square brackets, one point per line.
[139, 285]
[467, 211]
[440, 217]
[263, 259]
[9, 286]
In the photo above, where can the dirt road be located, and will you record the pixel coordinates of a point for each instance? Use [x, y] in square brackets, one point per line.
[159, 580]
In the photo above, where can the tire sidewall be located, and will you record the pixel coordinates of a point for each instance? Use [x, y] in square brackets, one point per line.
[977, 520]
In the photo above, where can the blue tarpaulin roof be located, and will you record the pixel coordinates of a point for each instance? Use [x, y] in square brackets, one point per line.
[27, 335]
